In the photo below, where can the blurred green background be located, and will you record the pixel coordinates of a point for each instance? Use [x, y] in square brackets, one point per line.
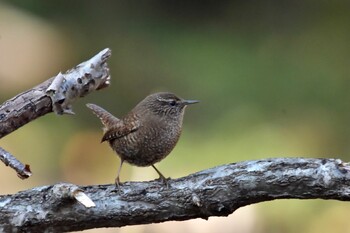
[272, 77]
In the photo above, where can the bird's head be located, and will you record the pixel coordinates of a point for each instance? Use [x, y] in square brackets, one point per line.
[165, 104]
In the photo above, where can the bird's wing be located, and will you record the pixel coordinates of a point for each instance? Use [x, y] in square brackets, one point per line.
[120, 130]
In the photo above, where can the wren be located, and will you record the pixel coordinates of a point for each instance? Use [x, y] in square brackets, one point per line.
[148, 133]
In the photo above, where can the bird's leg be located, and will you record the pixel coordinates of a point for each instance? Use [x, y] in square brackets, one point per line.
[117, 182]
[165, 180]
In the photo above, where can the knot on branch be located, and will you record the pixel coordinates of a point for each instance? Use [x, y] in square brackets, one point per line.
[66, 193]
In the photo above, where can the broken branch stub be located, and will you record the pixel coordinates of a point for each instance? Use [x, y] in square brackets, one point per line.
[67, 191]
[23, 170]
[86, 77]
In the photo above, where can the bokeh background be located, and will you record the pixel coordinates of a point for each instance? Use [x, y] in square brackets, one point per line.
[272, 77]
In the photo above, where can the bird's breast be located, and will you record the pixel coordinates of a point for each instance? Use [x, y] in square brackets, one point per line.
[149, 144]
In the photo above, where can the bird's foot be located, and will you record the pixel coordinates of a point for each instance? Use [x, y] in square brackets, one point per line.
[117, 185]
[164, 180]
[162, 177]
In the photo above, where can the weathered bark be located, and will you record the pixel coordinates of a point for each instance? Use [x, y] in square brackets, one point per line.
[24, 107]
[214, 192]
[54, 95]
[37, 101]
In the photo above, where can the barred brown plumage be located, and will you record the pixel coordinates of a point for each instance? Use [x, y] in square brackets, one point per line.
[148, 133]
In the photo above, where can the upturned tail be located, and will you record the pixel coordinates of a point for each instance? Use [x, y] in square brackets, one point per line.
[107, 119]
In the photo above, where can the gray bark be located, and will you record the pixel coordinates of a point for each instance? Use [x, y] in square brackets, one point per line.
[217, 191]
[54, 95]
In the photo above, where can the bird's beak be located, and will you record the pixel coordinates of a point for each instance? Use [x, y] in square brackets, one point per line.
[187, 102]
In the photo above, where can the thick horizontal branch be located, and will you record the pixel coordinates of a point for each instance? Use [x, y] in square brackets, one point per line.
[54, 95]
[217, 191]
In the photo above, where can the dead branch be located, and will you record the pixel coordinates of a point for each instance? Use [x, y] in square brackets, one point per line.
[54, 95]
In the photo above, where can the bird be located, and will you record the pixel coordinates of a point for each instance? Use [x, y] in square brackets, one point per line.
[148, 133]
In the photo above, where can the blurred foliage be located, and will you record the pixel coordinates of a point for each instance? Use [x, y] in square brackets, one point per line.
[272, 77]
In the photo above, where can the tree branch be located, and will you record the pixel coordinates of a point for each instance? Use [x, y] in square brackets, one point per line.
[23, 171]
[55, 94]
[217, 191]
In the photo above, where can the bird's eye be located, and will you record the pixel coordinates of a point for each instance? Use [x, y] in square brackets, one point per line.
[172, 103]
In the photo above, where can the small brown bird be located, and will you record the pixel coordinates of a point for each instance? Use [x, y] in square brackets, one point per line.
[148, 133]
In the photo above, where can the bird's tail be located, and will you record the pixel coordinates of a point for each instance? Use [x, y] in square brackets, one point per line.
[107, 119]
